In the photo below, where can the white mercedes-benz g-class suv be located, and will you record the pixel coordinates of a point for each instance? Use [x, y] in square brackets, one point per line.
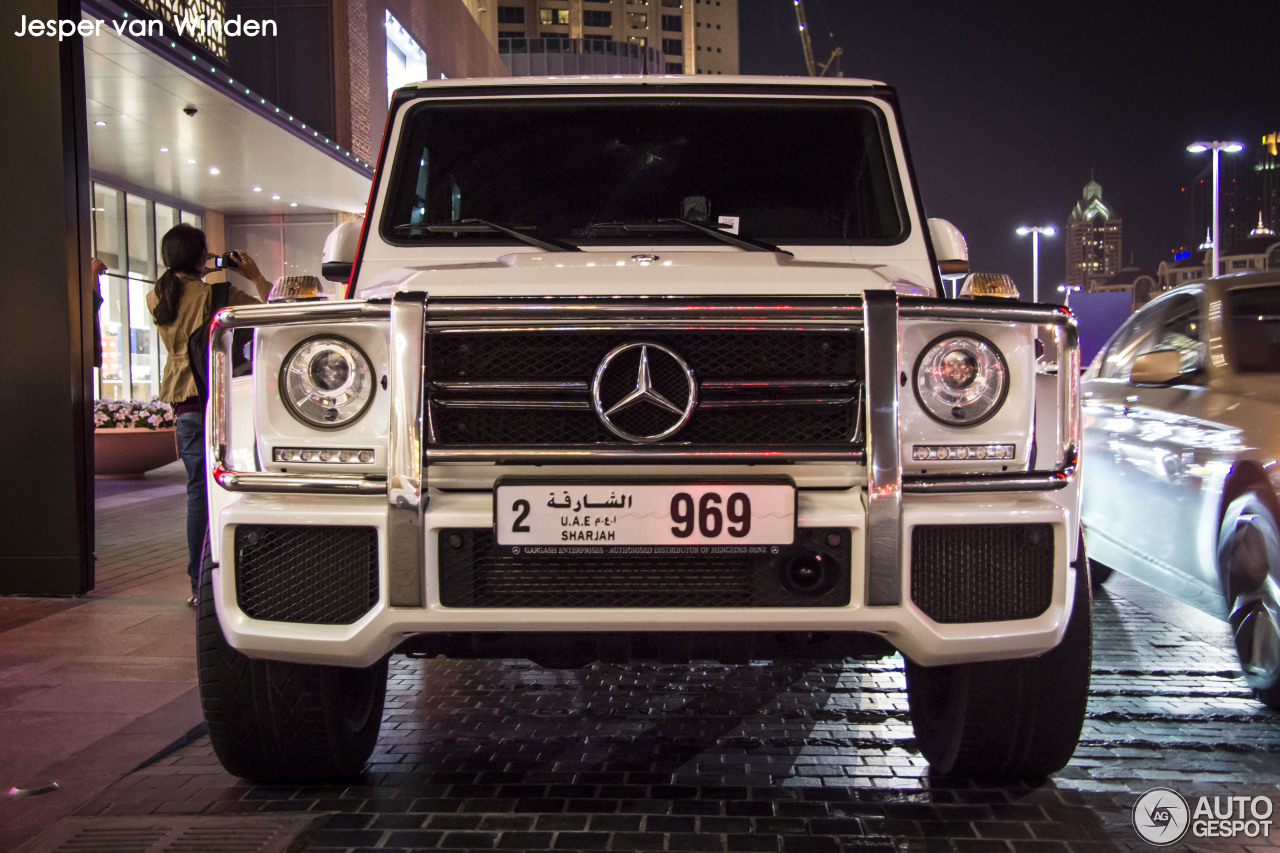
[646, 368]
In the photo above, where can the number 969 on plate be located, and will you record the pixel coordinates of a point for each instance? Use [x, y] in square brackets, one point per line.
[629, 513]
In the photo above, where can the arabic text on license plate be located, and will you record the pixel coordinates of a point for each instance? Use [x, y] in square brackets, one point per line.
[646, 514]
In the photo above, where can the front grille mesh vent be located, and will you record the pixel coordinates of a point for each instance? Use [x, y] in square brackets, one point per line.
[983, 572]
[475, 573]
[324, 575]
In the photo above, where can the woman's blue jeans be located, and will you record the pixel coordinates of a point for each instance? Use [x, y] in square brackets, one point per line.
[190, 430]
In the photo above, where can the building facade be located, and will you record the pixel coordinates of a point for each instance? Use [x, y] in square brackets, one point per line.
[1093, 239]
[689, 36]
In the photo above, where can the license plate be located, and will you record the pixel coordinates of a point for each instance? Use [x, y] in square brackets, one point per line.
[621, 513]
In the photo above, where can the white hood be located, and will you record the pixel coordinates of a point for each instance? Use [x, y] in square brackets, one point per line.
[639, 273]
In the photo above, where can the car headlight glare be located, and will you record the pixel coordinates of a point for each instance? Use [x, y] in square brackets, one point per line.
[326, 382]
[961, 379]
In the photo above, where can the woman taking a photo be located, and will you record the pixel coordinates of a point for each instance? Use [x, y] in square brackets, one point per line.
[180, 305]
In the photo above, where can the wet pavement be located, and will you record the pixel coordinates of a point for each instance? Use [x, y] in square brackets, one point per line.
[505, 755]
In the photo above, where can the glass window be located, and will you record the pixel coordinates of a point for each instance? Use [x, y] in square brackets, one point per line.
[638, 20]
[597, 18]
[672, 23]
[1172, 324]
[555, 17]
[1254, 323]
[109, 245]
[126, 236]
[674, 47]
[510, 14]
[636, 160]
[675, 67]
[1180, 330]
[1125, 345]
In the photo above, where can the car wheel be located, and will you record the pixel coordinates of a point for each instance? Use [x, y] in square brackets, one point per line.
[1010, 719]
[1249, 564]
[272, 721]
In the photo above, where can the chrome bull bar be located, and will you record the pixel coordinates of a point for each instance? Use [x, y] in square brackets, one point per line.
[878, 312]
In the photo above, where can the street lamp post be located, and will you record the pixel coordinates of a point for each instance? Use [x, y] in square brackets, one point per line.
[1067, 290]
[1215, 147]
[1035, 231]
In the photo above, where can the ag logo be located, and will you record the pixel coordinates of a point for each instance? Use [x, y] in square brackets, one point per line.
[1161, 816]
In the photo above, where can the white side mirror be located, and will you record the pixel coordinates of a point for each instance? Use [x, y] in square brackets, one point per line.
[339, 254]
[949, 247]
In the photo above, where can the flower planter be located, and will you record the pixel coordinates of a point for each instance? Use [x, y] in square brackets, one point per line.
[126, 453]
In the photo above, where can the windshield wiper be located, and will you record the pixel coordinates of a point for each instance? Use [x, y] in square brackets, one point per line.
[749, 244]
[466, 226]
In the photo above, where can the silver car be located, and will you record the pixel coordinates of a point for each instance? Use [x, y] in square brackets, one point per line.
[1181, 443]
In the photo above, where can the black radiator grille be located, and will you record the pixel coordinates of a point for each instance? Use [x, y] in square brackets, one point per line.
[982, 573]
[754, 386]
[320, 575]
[473, 573]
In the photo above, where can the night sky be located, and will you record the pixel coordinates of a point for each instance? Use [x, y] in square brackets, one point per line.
[1010, 104]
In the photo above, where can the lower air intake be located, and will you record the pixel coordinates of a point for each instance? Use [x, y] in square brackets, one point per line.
[982, 573]
[321, 575]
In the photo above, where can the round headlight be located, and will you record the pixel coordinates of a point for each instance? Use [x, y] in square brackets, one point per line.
[326, 382]
[961, 380]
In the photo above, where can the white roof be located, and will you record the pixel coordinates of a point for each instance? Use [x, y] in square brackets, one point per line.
[649, 79]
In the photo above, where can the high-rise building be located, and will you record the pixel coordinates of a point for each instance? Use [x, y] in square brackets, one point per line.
[1248, 190]
[690, 36]
[1093, 239]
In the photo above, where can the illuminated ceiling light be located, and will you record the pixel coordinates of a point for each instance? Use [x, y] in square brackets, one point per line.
[257, 189]
[275, 198]
[190, 162]
[162, 148]
[100, 123]
[214, 170]
[293, 204]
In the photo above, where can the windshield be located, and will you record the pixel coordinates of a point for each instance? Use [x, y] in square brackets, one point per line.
[1255, 329]
[618, 170]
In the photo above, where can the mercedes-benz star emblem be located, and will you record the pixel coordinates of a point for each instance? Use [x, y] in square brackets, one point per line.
[643, 392]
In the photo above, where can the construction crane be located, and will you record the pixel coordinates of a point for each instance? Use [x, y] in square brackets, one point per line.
[814, 69]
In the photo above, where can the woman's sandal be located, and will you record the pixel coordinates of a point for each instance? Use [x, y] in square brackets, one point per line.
[192, 601]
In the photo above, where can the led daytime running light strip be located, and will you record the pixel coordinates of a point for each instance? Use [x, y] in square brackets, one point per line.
[348, 455]
[949, 452]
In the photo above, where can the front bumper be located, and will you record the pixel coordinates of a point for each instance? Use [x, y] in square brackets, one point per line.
[880, 516]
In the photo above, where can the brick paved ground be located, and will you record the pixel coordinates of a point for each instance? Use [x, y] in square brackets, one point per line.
[780, 757]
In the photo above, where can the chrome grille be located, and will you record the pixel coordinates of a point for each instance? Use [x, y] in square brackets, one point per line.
[756, 386]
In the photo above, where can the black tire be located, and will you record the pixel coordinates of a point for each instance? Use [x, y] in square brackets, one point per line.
[1249, 565]
[1010, 719]
[1098, 574]
[271, 721]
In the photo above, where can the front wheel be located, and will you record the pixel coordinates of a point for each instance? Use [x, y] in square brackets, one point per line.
[272, 721]
[1009, 719]
[1249, 563]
